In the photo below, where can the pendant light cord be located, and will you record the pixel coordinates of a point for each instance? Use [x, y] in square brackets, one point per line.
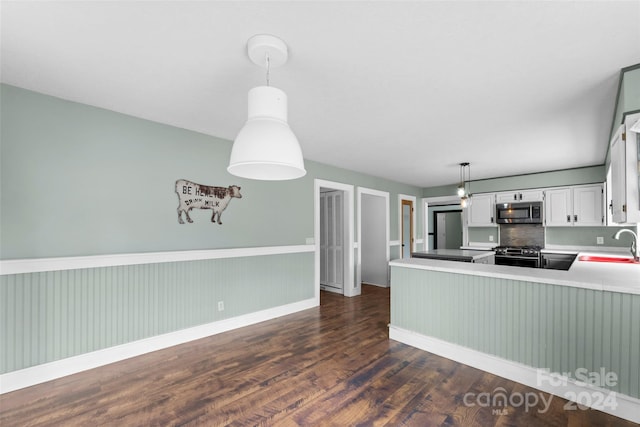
[268, 68]
[464, 179]
[469, 170]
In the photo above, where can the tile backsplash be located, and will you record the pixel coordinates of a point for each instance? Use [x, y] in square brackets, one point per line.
[521, 235]
[555, 236]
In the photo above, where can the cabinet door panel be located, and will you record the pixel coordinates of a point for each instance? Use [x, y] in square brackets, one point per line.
[531, 195]
[519, 196]
[618, 179]
[510, 197]
[558, 211]
[587, 205]
[481, 211]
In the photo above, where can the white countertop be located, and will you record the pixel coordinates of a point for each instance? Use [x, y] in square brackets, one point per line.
[612, 251]
[466, 253]
[612, 277]
[480, 247]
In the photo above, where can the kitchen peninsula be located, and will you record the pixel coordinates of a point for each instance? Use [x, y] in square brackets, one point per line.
[528, 325]
[462, 255]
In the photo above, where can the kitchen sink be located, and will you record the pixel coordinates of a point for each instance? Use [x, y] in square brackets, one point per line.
[614, 259]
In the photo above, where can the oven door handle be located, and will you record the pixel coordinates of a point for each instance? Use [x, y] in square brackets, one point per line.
[517, 257]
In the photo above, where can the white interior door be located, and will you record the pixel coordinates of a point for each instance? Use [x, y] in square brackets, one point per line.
[373, 240]
[332, 240]
[407, 228]
[323, 239]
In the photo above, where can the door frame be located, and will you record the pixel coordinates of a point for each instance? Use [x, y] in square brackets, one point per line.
[442, 201]
[435, 224]
[377, 193]
[348, 290]
[413, 242]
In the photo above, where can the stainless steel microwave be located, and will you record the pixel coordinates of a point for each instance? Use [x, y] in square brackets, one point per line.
[519, 213]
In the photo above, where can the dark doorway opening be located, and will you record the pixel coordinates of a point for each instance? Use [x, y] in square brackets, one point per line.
[447, 229]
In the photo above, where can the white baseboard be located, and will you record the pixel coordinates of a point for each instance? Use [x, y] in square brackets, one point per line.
[49, 371]
[332, 289]
[375, 284]
[626, 407]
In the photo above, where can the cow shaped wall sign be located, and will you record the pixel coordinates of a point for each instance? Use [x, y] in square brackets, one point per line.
[192, 195]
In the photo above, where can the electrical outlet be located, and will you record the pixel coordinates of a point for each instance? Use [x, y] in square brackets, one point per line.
[600, 240]
[310, 241]
[491, 237]
[220, 305]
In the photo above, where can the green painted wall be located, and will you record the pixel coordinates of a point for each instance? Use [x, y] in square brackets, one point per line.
[54, 315]
[544, 326]
[78, 180]
[585, 236]
[483, 234]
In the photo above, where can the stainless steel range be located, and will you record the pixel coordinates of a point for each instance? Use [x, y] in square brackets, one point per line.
[520, 256]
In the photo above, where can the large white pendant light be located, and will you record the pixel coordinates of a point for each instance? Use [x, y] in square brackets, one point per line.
[266, 148]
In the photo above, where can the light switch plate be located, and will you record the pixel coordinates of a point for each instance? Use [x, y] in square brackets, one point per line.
[491, 237]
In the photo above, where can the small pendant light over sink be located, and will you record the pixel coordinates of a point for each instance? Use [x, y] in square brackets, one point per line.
[266, 148]
[463, 193]
[461, 187]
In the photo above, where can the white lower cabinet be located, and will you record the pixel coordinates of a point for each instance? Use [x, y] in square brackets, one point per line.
[574, 206]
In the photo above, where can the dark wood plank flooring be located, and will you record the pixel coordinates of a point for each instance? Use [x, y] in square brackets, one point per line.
[332, 365]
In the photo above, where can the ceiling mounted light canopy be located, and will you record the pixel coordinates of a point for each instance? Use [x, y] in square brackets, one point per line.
[266, 148]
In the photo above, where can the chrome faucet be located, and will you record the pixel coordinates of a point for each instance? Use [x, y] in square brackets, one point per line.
[635, 248]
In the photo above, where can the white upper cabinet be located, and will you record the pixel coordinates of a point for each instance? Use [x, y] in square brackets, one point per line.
[574, 206]
[587, 205]
[558, 208]
[519, 196]
[618, 203]
[482, 210]
[624, 198]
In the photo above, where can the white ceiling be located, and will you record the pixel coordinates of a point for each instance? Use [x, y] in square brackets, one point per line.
[401, 90]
